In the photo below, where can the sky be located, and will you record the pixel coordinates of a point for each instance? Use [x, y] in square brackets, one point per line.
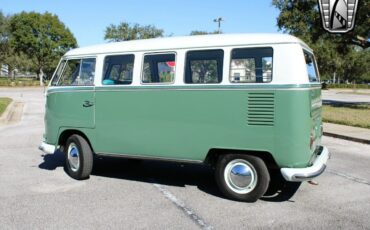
[88, 20]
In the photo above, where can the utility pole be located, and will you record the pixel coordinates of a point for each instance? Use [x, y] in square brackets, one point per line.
[218, 20]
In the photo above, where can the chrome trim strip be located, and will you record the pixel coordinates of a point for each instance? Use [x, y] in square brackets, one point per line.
[116, 89]
[145, 157]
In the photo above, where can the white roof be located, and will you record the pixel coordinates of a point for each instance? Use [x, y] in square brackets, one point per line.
[186, 42]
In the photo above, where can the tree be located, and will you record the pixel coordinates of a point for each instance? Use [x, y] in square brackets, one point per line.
[124, 32]
[8, 55]
[17, 61]
[302, 18]
[3, 36]
[335, 52]
[202, 32]
[357, 66]
[43, 38]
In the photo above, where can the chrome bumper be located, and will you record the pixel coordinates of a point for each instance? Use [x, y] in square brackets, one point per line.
[46, 148]
[303, 174]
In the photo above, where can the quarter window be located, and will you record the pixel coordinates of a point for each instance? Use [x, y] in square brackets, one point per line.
[311, 67]
[204, 67]
[251, 65]
[118, 69]
[159, 68]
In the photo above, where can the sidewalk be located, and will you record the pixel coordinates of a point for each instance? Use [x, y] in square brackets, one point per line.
[13, 113]
[347, 132]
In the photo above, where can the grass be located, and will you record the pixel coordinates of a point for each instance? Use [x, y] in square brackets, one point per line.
[6, 82]
[4, 102]
[358, 93]
[352, 115]
[348, 86]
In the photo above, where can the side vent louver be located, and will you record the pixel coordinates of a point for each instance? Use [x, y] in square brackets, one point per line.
[261, 109]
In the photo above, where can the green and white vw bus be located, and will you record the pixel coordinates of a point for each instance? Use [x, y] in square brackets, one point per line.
[247, 104]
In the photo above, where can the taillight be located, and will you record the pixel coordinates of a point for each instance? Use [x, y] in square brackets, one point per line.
[312, 139]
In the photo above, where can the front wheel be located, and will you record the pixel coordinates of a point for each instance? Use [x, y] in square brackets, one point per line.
[79, 157]
[242, 177]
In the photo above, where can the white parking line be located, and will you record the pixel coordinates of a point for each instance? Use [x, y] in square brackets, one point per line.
[182, 206]
[349, 177]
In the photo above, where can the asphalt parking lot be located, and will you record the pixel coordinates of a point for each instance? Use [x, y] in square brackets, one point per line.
[358, 96]
[36, 193]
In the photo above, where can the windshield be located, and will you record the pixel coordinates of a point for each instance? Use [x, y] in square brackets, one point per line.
[57, 73]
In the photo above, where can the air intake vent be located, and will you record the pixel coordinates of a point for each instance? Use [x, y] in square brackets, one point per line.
[261, 107]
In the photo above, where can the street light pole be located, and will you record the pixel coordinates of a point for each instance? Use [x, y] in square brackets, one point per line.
[218, 20]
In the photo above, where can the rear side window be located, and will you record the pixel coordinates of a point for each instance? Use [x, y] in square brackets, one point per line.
[311, 67]
[204, 67]
[118, 69]
[80, 72]
[251, 65]
[159, 68]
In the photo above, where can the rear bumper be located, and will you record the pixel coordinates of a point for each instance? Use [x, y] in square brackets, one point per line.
[303, 174]
[47, 148]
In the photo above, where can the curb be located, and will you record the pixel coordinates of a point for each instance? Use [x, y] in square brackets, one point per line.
[5, 117]
[355, 139]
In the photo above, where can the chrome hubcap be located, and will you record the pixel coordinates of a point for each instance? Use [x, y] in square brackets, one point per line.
[73, 157]
[240, 176]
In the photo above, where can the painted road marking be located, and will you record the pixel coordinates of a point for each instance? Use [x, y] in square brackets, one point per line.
[182, 206]
[349, 177]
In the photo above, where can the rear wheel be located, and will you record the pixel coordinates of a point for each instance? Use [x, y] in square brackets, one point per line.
[79, 157]
[280, 189]
[242, 177]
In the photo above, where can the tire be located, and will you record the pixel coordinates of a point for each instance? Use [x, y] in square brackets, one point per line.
[248, 187]
[79, 157]
[277, 182]
[280, 189]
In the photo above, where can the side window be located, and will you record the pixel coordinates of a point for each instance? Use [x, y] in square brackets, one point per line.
[118, 69]
[251, 65]
[87, 74]
[78, 72]
[267, 69]
[204, 67]
[58, 73]
[311, 67]
[159, 68]
[243, 70]
[70, 73]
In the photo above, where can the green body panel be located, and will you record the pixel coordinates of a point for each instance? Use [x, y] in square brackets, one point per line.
[64, 109]
[179, 124]
[295, 118]
[292, 128]
[184, 123]
[316, 110]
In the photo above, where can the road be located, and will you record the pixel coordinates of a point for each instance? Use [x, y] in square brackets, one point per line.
[346, 96]
[36, 193]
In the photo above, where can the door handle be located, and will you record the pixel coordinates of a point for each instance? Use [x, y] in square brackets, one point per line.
[87, 104]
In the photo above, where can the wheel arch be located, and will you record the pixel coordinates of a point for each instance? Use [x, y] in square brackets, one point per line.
[214, 153]
[66, 133]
